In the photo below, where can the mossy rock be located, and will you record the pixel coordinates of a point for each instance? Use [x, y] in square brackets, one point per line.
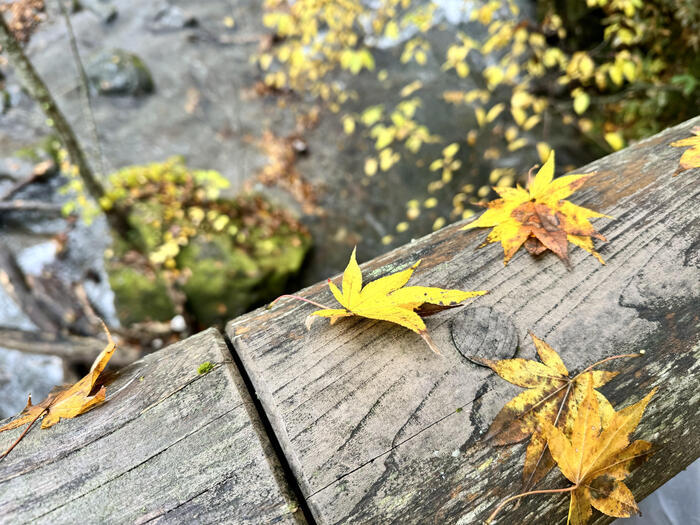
[117, 72]
[226, 280]
[221, 274]
[139, 295]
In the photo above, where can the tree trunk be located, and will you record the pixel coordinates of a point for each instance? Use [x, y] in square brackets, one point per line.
[37, 89]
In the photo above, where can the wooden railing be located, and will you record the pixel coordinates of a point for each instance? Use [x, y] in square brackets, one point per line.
[360, 422]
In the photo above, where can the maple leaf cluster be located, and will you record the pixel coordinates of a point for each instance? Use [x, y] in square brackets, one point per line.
[574, 426]
[539, 216]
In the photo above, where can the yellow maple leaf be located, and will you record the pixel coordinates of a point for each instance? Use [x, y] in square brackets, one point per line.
[539, 217]
[387, 299]
[596, 457]
[599, 456]
[67, 401]
[551, 395]
[691, 156]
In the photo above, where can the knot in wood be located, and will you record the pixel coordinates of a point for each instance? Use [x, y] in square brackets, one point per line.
[484, 333]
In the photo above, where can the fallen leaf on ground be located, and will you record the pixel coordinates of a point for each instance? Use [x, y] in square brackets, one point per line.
[551, 396]
[691, 156]
[387, 299]
[539, 217]
[67, 401]
[598, 456]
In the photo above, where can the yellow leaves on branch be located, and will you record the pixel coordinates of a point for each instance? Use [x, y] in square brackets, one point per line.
[539, 217]
[598, 456]
[67, 401]
[691, 157]
[551, 396]
[388, 299]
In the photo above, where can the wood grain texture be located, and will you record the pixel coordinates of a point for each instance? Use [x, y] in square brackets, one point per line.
[379, 429]
[168, 446]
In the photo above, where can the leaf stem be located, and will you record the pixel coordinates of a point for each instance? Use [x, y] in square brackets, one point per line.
[556, 421]
[605, 360]
[299, 298]
[24, 433]
[517, 496]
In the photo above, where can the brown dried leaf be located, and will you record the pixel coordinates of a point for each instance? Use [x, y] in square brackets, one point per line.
[68, 401]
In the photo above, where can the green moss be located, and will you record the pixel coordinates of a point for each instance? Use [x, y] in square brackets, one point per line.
[224, 255]
[138, 295]
[226, 279]
[47, 147]
[205, 368]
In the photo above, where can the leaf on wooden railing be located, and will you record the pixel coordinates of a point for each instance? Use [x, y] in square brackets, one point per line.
[691, 157]
[67, 401]
[387, 299]
[539, 217]
[599, 456]
[551, 396]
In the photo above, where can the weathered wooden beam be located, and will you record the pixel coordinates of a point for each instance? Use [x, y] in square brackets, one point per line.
[169, 445]
[378, 429]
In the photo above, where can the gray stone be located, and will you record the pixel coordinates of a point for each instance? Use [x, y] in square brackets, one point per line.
[168, 17]
[103, 9]
[22, 374]
[119, 72]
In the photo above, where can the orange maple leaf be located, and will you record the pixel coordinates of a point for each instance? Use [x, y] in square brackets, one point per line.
[539, 217]
[67, 401]
[599, 456]
[596, 458]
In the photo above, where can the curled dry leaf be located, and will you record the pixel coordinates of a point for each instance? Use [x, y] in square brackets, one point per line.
[691, 157]
[387, 299]
[551, 396]
[68, 401]
[539, 217]
[598, 456]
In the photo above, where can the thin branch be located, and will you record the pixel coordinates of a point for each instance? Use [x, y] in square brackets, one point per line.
[72, 348]
[40, 170]
[30, 205]
[24, 433]
[84, 88]
[39, 91]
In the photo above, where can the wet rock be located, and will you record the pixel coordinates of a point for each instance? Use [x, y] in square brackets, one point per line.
[167, 17]
[217, 274]
[118, 72]
[140, 295]
[104, 9]
[23, 374]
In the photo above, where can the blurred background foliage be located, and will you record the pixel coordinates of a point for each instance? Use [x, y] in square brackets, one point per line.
[613, 71]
